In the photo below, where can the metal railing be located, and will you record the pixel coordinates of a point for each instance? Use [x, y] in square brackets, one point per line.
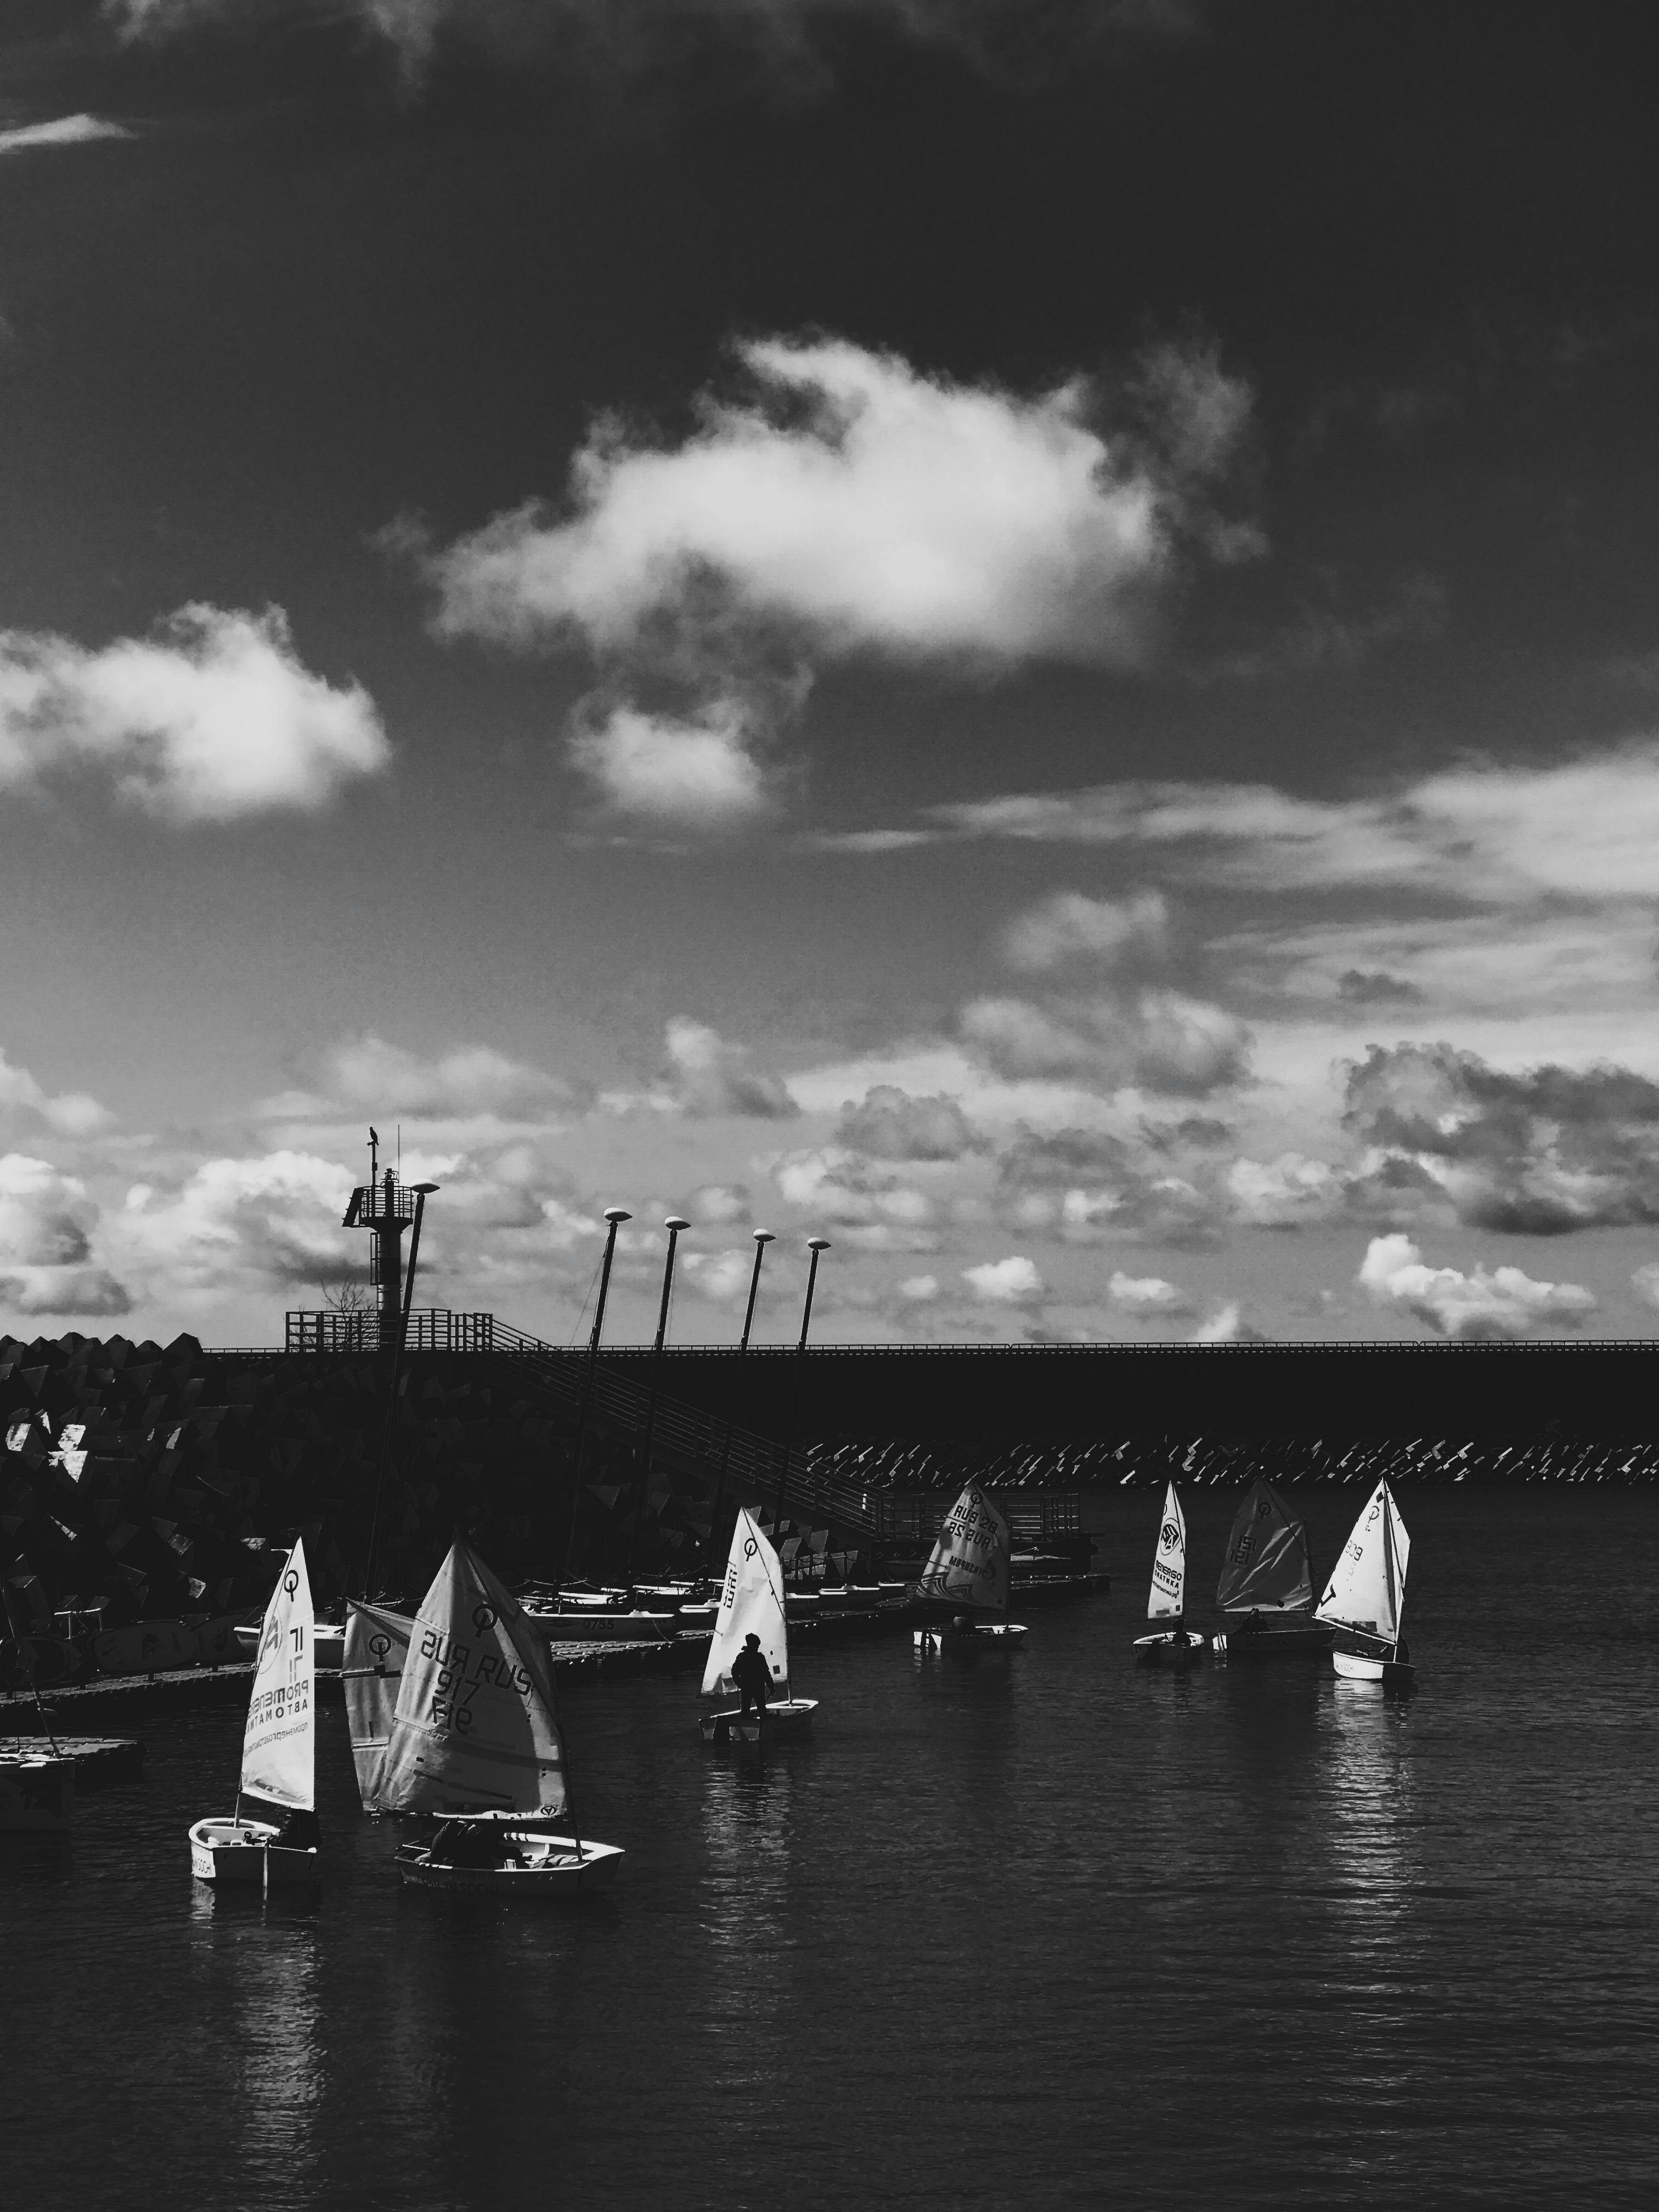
[431, 1328]
[1045, 1517]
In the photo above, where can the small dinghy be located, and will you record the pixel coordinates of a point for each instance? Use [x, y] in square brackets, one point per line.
[968, 1568]
[1265, 1590]
[1176, 1646]
[496, 1851]
[1366, 1595]
[276, 1848]
[475, 1740]
[752, 1606]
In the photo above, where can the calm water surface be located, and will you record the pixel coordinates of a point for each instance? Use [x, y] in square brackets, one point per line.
[1041, 1931]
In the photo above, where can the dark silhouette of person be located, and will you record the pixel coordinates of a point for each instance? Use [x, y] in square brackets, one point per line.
[753, 1677]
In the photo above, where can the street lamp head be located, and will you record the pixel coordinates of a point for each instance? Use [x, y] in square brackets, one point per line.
[764, 1237]
[425, 1189]
[617, 1213]
[675, 1223]
[818, 1243]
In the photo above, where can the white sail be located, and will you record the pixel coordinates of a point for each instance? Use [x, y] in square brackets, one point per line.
[969, 1565]
[279, 1744]
[1367, 1588]
[1169, 1562]
[474, 1729]
[376, 1644]
[752, 1601]
[1266, 1567]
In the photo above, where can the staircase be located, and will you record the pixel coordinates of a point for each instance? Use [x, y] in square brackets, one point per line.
[685, 1440]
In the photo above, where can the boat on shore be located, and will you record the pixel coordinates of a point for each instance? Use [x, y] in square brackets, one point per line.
[1265, 1590]
[276, 1847]
[970, 1571]
[475, 1740]
[1177, 1646]
[1366, 1595]
[751, 1605]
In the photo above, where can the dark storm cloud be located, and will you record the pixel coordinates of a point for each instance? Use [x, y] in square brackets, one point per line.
[1540, 1153]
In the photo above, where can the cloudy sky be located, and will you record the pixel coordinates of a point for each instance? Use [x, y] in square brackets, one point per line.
[1023, 636]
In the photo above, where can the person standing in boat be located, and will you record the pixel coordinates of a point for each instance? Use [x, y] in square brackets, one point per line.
[752, 1676]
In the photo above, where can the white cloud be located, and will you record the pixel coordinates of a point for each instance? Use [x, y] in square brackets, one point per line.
[1161, 1041]
[1285, 1193]
[711, 1077]
[720, 1277]
[251, 1223]
[697, 770]
[861, 504]
[213, 719]
[1147, 1295]
[1227, 1325]
[1504, 1303]
[47, 1220]
[71, 1113]
[872, 1207]
[1105, 932]
[919, 1289]
[61, 130]
[1011, 1282]
[1646, 1283]
[389, 1081]
[890, 1124]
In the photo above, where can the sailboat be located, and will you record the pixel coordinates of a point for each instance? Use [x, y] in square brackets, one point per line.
[475, 1740]
[968, 1568]
[376, 1645]
[277, 1847]
[752, 1603]
[1177, 1646]
[1366, 1595]
[1266, 1588]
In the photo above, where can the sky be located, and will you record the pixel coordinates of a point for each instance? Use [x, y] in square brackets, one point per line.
[1023, 636]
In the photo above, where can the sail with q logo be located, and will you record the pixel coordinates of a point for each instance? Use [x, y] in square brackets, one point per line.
[1166, 1601]
[752, 1604]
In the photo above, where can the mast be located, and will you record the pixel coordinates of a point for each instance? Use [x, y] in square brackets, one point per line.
[614, 1215]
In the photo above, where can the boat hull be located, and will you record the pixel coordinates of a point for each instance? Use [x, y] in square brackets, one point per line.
[969, 1643]
[1362, 1667]
[37, 1794]
[552, 1866]
[1272, 1640]
[245, 1855]
[789, 1719]
[1164, 1651]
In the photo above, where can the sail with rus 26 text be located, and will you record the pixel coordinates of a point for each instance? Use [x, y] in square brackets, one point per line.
[969, 1565]
[475, 1729]
[279, 1744]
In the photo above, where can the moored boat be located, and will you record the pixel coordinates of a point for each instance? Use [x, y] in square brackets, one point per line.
[376, 1645]
[1177, 1646]
[969, 1570]
[752, 1629]
[1366, 1595]
[278, 1846]
[475, 1740]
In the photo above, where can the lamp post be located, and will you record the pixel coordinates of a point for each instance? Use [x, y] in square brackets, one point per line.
[814, 1245]
[615, 1216]
[763, 1238]
[673, 1226]
[422, 1192]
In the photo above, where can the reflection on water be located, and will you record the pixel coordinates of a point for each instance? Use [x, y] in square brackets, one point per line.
[1038, 1930]
[260, 1957]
